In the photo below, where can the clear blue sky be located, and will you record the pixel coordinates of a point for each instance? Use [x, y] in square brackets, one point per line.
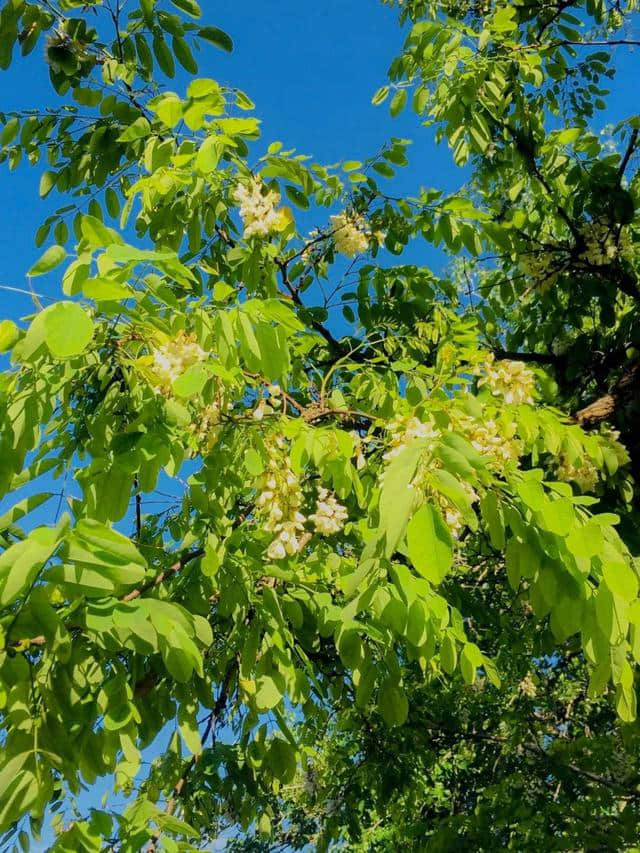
[311, 69]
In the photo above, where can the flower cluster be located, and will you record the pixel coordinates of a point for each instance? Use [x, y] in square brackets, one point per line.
[350, 234]
[528, 687]
[280, 501]
[281, 498]
[268, 406]
[171, 359]
[206, 430]
[492, 440]
[602, 245]
[452, 515]
[542, 266]
[403, 430]
[330, 515]
[511, 380]
[258, 209]
[584, 474]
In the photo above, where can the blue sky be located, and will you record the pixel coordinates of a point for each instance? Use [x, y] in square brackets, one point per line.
[311, 69]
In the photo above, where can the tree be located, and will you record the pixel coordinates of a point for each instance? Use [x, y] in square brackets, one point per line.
[396, 601]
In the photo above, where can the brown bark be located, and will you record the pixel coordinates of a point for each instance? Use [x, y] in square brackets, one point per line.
[602, 409]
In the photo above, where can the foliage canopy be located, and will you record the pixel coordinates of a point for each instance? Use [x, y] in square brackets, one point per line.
[393, 599]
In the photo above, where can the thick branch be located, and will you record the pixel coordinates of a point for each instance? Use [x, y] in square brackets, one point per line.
[530, 357]
[602, 409]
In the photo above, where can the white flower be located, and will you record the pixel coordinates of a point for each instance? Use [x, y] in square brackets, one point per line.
[495, 442]
[350, 235]
[544, 265]
[258, 209]
[330, 515]
[276, 550]
[405, 429]
[528, 687]
[259, 412]
[171, 359]
[584, 474]
[511, 380]
[279, 502]
[602, 244]
[206, 430]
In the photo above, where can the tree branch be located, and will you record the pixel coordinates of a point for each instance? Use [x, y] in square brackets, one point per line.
[165, 573]
[212, 722]
[633, 141]
[604, 407]
[529, 357]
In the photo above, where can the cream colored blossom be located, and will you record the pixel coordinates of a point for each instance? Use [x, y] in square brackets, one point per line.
[279, 501]
[452, 515]
[493, 440]
[403, 430]
[528, 687]
[258, 209]
[613, 440]
[603, 244]
[583, 473]
[350, 233]
[205, 429]
[171, 359]
[511, 380]
[330, 515]
[543, 266]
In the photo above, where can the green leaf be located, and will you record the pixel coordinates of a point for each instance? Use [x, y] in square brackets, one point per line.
[169, 109]
[188, 725]
[350, 648]
[393, 704]
[21, 562]
[184, 55]
[398, 102]
[268, 693]
[448, 654]
[139, 129]
[9, 334]
[297, 197]
[47, 183]
[217, 37]
[10, 131]
[493, 519]
[470, 660]
[52, 258]
[281, 759]
[97, 234]
[188, 6]
[163, 55]
[191, 382]
[430, 544]
[103, 289]
[209, 155]
[398, 498]
[503, 20]
[68, 329]
[618, 575]
[381, 95]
